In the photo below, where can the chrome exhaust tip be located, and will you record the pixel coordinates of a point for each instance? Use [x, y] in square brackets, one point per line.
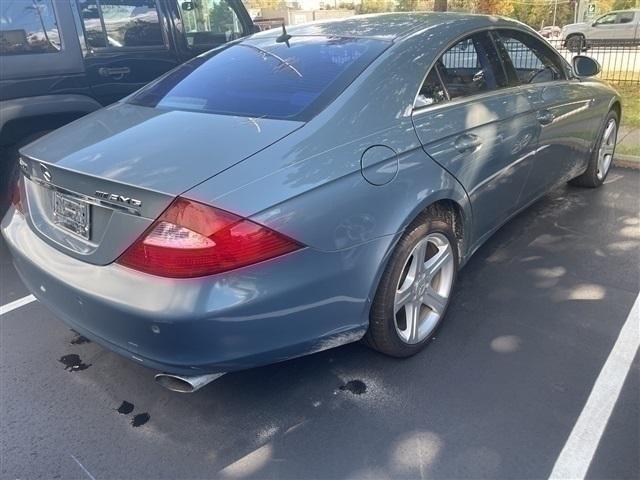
[185, 384]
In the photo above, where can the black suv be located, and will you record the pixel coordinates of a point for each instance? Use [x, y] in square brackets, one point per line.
[61, 59]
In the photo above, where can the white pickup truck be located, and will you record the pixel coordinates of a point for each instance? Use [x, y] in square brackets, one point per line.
[621, 26]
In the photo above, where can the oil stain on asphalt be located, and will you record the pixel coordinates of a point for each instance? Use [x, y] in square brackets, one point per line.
[73, 363]
[125, 408]
[357, 387]
[140, 419]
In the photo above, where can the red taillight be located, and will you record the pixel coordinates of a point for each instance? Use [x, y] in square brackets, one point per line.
[191, 239]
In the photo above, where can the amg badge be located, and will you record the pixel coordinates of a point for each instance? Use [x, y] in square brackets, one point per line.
[112, 197]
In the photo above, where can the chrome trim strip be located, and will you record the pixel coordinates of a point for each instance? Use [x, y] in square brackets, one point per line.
[80, 196]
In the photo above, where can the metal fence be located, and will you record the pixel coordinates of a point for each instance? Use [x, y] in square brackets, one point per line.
[619, 59]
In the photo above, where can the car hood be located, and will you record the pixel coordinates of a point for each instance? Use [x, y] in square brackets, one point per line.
[575, 26]
[167, 151]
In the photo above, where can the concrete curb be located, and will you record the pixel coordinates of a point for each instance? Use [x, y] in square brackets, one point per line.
[627, 161]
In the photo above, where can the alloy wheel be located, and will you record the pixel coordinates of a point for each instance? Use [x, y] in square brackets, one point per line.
[607, 147]
[424, 287]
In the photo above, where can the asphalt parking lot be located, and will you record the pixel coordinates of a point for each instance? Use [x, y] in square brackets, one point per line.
[498, 394]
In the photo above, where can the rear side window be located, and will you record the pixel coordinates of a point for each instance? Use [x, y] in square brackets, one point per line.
[210, 25]
[28, 26]
[625, 17]
[264, 78]
[531, 59]
[121, 23]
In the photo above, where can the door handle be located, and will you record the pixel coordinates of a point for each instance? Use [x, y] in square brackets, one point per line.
[467, 142]
[118, 72]
[545, 117]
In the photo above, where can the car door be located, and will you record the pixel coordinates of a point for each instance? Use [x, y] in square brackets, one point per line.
[566, 125]
[128, 44]
[207, 24]
[627, 25]
[604, 28]
[480, 131]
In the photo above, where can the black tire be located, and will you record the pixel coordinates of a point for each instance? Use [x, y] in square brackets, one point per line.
[575, 43]
[382, 334]
[591, 177]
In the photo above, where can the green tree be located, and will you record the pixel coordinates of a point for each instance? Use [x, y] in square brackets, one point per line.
[624, 4]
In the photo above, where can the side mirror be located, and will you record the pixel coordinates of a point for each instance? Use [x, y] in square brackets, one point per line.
[188, 6]
[584, 66]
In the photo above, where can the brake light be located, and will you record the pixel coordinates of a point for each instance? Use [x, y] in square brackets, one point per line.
[191, 239]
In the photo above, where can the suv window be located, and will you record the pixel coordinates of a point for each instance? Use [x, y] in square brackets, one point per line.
[210, 23]
[608, 19]
[121, 23]
[531, 59]
[28, 27]
[625, 17]
[469, 67]
[264, 78]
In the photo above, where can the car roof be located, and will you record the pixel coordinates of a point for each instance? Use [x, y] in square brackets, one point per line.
[386, 26]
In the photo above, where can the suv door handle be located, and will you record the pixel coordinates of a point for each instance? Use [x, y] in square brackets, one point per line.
[119, 72]
[545, 117]
[467, 142]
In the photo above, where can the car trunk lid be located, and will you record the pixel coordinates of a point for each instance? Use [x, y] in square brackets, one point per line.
[119, 168]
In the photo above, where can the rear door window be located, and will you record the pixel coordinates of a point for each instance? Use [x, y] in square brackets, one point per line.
[264, 77]
[28, 27]
[625, 17]
[121, 23]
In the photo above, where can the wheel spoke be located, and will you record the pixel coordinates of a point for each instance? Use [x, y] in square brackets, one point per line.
[419, 256]
[402, 298]
[435, 263]
[412, 312]
[607, 149]
[608, 131]
[434, 301]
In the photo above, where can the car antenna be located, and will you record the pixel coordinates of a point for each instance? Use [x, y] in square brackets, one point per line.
[285, 37]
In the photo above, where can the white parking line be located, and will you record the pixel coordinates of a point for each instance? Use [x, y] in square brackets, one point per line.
[578, 452]
[17, 304]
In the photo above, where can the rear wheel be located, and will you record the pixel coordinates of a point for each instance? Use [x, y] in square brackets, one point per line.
[602, 157]
[575, 43]
[415, 289]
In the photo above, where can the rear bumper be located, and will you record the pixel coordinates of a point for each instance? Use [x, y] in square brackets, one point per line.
[290, 306]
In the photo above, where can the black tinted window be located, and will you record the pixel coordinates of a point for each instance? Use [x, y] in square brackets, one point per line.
[210, 25]
[625, 17]
[127, 23]
[28, 26]
[263, 78]
[531, 59]
[471, 67]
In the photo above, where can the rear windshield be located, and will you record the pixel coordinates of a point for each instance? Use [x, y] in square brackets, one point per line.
[264, 78]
